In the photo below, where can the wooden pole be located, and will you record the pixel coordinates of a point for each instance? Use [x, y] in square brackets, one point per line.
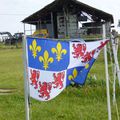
[24, 30]
[52, 25]
[26, 85]
[65, 21]
[115, 59]
[107, 75]
[31, 30]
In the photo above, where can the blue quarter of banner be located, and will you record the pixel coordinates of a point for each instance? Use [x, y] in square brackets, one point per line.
[45, 54]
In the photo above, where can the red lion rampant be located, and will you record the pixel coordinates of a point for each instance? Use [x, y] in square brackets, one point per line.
[45, 89]
[88, 56]
[79, 50]
[58, 80]
[34, 78]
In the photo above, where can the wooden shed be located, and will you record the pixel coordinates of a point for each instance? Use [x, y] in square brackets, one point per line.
[61, 19]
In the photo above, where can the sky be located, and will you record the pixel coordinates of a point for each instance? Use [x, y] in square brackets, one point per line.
[12, 12]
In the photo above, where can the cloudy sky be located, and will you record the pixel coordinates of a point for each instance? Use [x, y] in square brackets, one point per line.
[12, 12]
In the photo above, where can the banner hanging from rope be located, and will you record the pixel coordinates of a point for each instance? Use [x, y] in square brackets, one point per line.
[53, 64]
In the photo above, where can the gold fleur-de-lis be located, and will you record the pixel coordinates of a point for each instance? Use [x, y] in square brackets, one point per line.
[59, 51]
[74, 75]
[87, 66]
[34, 48]
[45, 59]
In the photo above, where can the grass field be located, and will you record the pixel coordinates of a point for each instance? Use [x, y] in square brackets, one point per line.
[86, 102]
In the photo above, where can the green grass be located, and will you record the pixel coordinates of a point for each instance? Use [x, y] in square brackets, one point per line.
[86, 102]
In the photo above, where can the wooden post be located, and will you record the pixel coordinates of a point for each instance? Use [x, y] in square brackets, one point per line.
[107, 75]
[52, 24]
[24, 30]
[26, 84]
[65, 21]
[115, 59]
[31, 30]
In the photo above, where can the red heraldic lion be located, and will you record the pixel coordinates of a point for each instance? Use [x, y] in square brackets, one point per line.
[45, 89]
[87, 57]
[34, 78]
[79, 50]
[58, 80]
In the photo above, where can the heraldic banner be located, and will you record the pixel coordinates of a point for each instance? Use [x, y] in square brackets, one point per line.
[53, 64]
